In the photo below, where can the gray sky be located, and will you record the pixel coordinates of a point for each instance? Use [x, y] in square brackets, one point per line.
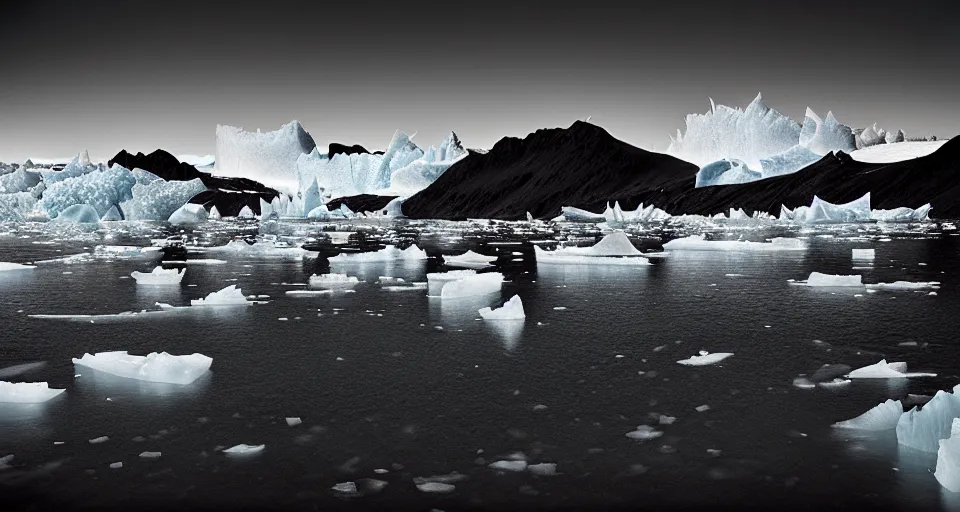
[108, 75]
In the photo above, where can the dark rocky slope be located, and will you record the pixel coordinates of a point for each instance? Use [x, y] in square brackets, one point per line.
[229, 195]
[586, 167]
[361, 203]
[550, 168]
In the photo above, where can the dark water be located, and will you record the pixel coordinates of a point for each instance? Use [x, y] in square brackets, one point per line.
[419, 401]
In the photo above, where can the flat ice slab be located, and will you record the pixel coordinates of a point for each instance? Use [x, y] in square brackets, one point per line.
[5, 266]
[705, 358]
[469, 259]
[26, 392]
[244, 449]
[511, 310]
[159, 276]
[885, 370]
[905, 286]
[333, 281]
[882, 417]
[436, 280]
[697, 243]
[864, 254]
[818, 279]
[153, 367]
[472, 286]
[388, 253]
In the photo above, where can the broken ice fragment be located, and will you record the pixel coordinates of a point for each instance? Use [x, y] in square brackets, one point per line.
[159, 276]
[229, 296]
[508, 465]
[292, 422]
[27, 392]
[923, 428]
[244, 449]
[543, 469]
[702, 408]
[153, 367]
[98, 440]
[436, 487]
[882, 417]
[644, 433]
[705, 358]
[469, 259]
[150, 455]
[948, 459]
[511, 310]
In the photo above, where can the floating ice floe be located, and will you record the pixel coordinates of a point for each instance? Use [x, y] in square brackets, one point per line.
[153, 367]
[882, 417]
[923, 428]
[863, 254]
[644, 433]
[244, 449]
[511, 310]
[159, 276]
[436, 280]
[948, 459]
[698, 243]
[509, 465]
[26, 392]
[818, 279]
[7, 266]
[333, 281]
[436, 487]
[258, 249]
[388, 253]
[885, 370]
[469, 259]
[229, 296]
[189, 215]
[705, 358]
[613, 249]
[905, 286]
[472, 286]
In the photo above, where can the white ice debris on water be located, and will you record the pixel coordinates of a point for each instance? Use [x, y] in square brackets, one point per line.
[258, 249]
[644, 433]
[293, 422]
[229, 296]
[882, 417]
[511, 310]
[159, 276]
[698, 243]
[885, 370]
[472, 286]
[333, 281]
[922, 429]
[244, 449]
[153, 367]
[509, 465]
[436, 280]
[6, 266]
[905, 286]
[189, 215]
[388, 253]
[543, 469]
[948, 459]
[150, 455]
[436, 487]
[864, 254]
[469, 259]
[818, 279]
[613, 249]
[26, 392]
[705, 358]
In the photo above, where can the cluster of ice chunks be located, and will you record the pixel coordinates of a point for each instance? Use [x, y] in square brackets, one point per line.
[154, 367]
[699, 243]
[612, 215]
[388, 253]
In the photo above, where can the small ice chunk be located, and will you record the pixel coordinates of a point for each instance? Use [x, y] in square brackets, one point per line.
[469, 259]
[244, 449]
[511, 310]
[345, 488]
[863, 254]
[835, 383]
[98, 440]
[332, 281]
[817, 279]
[116, 465]
[149, 455]
[644, 433]
[543, 469]
[293, 422]
[229, 296]
[159, 276]
[27, 392]
[667, 420]
[882, 417]
[436, 487]
[509, 465]
[705, 358]
[702, 408]
[5, 266]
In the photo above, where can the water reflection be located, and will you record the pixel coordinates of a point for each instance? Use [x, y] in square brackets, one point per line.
[508, 331]
[25, 414]
[460, 311]
[96, 382]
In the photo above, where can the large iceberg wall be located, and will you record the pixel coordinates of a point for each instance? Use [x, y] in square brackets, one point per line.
[158, 199]
[267, 157]
[99, 189]
[759, 140]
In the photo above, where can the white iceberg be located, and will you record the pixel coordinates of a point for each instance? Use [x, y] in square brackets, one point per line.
[827, 135]
[157, 200]
[153, 367]
[159, 276]
[26, 392]
[615, 249]
[79, 213]
[511, 310]
[905, 286]
[258, 249]
[698, 243]
[388, 253]
[728, 171]
[198, 160]
[902, 214]
[818, 279]
[229, 296]
[189, 215]
[7, 266]
[509, 465]
[469, 259]
[948, 459]
[269, 158]
[705, 358]
[885, 370]
[112, 215]
[822, 212]
[922, 429]
[882, 417]
[436, 280]
[472, 286]
[98, 189]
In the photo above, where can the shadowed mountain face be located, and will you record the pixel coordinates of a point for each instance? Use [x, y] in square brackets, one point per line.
[336, 148]
[229, 195]
[584, 166]
[362, 203]
[547, 169]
